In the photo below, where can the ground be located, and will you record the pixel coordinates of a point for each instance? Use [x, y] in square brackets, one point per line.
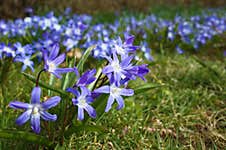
[188, 112]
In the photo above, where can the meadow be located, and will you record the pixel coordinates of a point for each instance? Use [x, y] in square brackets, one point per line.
[171, 76]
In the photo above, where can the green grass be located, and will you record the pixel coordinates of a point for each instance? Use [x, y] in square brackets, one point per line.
[188, 113]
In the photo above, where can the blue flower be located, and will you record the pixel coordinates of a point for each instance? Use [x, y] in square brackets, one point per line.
[70, 43]
[86, 78]
[35, 109]
[26, 60]
[139, 71]
[52, 61]
[147, 51]
[125, 48]
[8, 51]
[121, 72]
[115, 94]
[117, 70]
[184, 29]
[83, 101]
[179, 50]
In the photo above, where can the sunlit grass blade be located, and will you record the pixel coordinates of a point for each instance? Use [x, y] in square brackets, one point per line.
[84, 58]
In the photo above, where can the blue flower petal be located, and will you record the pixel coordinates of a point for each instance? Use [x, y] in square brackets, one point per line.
[84, 91]
[48, 117]
[89, 99]
[127, 92]
[86, 78]
[45, 56]
[35, 123]
[51, 102]
[107, 69]
[63, 70]
[54, 52]
[129, 40]
[91, 111]
[24, 117]
[109, 103]
[120, 102]
[103, 89]
[19, 105]
[74, 101]
[126, 61]
[73, 91]
[115, 57]
[35, 95]
[80, 113]
[60, 59]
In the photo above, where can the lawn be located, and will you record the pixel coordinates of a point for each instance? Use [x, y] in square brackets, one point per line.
[187, 112]
[181, 105]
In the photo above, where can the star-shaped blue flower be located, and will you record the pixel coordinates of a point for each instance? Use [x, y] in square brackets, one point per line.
[83, 101]
[116, 93]
[35, 109]
[53, 61]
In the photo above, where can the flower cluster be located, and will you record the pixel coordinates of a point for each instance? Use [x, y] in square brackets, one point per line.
[80, 31]
[119, 71]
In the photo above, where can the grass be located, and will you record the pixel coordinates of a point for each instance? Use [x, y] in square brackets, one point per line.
[189, 113]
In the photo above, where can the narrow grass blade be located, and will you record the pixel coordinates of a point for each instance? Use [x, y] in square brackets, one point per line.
[84, 58]
[146, 87]
[25, 136]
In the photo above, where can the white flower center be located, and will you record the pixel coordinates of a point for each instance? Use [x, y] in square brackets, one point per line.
[27, 62]
[68, 31]
[20, 49]
[82, 102]
[77, 31]
[52, 67]
[116, 66]
[8, 50]
[115, 91]
[120, 50]
[35, 110]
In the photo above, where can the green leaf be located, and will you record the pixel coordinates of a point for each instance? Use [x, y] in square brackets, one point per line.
[81, 128]
[46, 86]
[146, 87]
[25, 136]
[84, 58]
